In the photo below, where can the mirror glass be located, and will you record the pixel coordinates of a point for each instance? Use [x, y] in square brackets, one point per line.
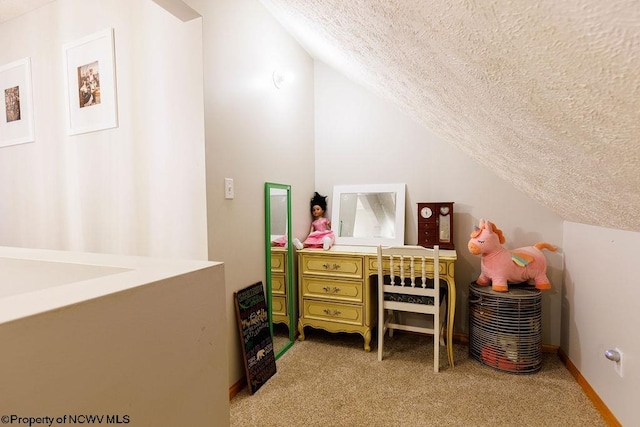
[445, 228]
[279, 261]
[368, 214]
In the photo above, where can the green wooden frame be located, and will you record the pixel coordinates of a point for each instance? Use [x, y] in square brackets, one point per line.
[268, 186]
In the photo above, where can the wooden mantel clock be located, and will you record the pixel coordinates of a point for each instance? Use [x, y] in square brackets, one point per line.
[435, 224]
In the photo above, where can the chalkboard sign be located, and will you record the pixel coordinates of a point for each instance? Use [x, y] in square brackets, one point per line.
[257, 345]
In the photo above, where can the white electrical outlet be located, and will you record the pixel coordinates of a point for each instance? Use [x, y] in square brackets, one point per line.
[228, 188]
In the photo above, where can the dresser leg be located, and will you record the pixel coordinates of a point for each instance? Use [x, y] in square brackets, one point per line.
[300, 330]
[367, 340]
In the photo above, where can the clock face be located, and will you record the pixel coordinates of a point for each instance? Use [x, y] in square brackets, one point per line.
[444, 210]
[426, 212]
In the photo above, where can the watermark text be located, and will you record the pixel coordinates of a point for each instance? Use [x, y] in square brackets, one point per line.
[48, 420]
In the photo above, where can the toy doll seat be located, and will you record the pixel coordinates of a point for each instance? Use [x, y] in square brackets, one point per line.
[408, 286]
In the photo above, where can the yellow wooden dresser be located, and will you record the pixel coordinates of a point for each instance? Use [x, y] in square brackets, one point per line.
[279, 285]
[337, 293]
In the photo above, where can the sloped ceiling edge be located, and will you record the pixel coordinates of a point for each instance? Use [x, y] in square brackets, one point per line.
[545, 94]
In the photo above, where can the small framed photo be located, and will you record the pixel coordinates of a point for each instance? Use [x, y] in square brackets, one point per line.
[90, 79]
[16, 116]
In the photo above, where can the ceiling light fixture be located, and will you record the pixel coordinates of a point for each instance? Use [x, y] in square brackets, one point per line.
[278, 79]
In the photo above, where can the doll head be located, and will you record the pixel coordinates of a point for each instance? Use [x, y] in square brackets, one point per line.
[321, 202]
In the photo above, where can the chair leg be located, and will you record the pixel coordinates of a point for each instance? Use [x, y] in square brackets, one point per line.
[436, 354]
[381, 331]
[437, 338]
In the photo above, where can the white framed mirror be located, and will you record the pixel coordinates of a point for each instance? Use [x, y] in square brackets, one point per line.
[368, 214]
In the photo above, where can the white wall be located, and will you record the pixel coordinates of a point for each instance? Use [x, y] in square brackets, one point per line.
[361, 139]
[600, 311]
[138, 189]
[255, 133]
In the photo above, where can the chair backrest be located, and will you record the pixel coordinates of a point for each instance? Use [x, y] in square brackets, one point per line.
[415, 263]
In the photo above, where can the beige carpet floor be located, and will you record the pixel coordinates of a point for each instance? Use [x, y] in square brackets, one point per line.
[329, 380]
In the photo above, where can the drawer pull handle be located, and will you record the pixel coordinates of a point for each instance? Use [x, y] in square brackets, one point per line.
[328, 266]
[335, 290]
[332, 313]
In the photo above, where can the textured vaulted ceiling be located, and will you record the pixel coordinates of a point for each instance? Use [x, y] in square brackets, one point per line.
[545, 93]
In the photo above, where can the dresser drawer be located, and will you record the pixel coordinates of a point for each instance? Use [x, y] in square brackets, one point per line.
[339, 266]
[333, 312]
[278, 262]
[339, 290]
[279, 306]
[278, 284]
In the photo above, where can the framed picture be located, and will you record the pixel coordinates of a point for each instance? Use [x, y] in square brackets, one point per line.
[90, 79]
[16, 121]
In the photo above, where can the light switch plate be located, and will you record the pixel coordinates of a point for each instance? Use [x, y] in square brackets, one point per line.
[228, 188]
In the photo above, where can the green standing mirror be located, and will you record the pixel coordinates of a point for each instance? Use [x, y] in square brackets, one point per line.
[279, 260]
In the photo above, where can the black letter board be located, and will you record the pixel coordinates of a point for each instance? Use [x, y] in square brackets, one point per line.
[257, 345]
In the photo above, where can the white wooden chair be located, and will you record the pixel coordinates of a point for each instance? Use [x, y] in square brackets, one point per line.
[409, 282]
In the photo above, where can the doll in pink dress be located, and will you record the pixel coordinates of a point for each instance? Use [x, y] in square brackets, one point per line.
[320, 234]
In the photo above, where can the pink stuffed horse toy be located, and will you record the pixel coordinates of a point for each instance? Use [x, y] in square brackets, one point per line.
[500, 266]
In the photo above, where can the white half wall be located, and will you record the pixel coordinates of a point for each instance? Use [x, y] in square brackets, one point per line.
[362, 139]
[600, 312]
[138, 189]
[145, 344]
